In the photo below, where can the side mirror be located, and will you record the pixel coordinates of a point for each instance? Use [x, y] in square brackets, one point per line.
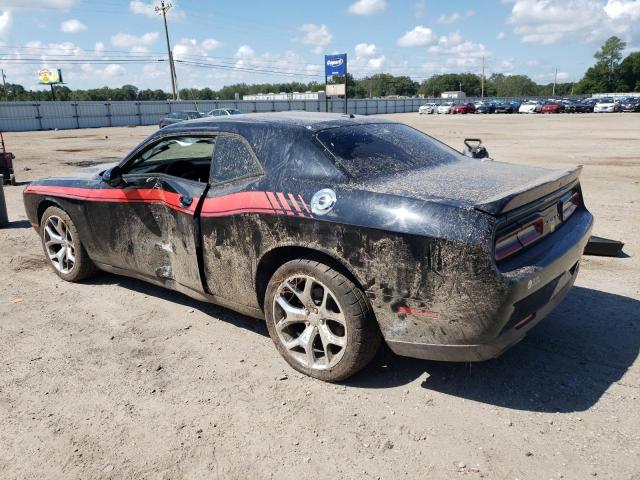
[473, 148]
[113, 176]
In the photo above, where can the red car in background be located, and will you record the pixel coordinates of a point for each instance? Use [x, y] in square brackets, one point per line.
[552, 107]
[464, 108]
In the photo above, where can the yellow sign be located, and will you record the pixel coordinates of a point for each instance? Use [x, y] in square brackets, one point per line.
[49, 77]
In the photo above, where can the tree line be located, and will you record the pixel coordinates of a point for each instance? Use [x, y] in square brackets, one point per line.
[611, 73]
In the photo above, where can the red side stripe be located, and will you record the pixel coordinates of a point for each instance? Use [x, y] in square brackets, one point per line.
[285, 204]
[241, 202]
[274, 202]
[305, 205]
[295, 204]
[122, 195]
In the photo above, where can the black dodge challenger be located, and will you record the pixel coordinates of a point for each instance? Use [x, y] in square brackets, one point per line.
[340, 231]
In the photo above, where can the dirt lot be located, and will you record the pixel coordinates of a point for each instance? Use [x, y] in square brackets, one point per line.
[118, 379]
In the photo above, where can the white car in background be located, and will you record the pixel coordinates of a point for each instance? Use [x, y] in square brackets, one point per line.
[530, 107]
[427, 108]
[445, 107]
[607, 105]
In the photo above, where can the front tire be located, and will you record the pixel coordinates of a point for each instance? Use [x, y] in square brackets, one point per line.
[62, 246]
[320, 321]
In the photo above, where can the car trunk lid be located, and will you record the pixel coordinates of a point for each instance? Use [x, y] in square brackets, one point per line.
[489, 186]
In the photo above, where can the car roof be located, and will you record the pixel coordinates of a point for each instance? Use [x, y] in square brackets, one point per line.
[310, 121]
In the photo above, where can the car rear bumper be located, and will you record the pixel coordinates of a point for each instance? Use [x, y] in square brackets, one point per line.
[531, 294]
[492, 349]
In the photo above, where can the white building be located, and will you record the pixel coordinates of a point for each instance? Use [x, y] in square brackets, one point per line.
[320, 95]
[454, 95]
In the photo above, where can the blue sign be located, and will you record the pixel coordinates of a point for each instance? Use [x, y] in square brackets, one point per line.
[335, 65]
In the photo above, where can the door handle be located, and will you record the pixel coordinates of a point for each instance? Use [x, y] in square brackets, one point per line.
[185, 200]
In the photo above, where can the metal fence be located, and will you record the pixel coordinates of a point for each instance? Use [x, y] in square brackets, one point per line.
[26, 116]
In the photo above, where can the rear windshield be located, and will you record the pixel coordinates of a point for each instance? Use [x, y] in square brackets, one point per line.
[372, 150]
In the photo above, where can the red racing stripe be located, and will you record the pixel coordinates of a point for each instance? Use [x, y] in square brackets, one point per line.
[295, 204]
[117, 195]
[235, 203]
[285, 204]
[305, 205]
[241, 202]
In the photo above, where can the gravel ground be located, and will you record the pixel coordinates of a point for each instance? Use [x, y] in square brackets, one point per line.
[115, 378]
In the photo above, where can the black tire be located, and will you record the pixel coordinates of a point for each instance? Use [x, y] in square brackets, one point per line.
[83, 267]
[362, 334]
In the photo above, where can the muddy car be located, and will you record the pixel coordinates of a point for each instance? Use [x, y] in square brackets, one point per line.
[340, 232]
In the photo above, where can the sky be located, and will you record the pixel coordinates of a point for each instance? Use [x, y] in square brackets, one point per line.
[217, 43]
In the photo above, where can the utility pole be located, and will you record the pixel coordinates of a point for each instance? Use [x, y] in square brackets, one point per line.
[482, 80]
[555, 79]
[4, 86]
[162, 10]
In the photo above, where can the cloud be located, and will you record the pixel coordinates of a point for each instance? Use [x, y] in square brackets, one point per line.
[367, 58]
[456, 52]
[421, 6]
[56, 4]
[190, 46]
[99, 48]
[112, 70]
[316, 35]
[5, 22]
[418, 37]
[72, 26]
[127, 41]
[623, 9]
[140, 7]
[551, 21]
[501, 35]
[448, 19]
[367, 7]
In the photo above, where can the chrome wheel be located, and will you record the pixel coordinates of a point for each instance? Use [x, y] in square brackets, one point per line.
[59, 244]
[310, 322]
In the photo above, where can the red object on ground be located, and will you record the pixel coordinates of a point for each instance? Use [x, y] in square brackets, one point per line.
[552, 108]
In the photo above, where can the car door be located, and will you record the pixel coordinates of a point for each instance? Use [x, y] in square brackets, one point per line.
[148, 226]
[228, 219]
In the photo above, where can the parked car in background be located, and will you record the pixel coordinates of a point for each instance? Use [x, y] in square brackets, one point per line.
[176, 117]
[516, 105]
[445, 107]
[340, 232]
[427, 108]
[530, 106]
[607, 105]
[630, 104]
[552, 107]
[502, 107]
[485, 107]
[464, 108]
[221, 112]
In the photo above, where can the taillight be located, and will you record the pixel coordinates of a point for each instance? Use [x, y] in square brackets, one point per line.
[517, 239]
[569, 204]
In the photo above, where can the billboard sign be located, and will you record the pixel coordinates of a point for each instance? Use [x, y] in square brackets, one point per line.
[49, 77]
[335, 65]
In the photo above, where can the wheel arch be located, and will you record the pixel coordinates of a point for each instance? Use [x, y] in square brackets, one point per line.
[278, 256]
[44, 204]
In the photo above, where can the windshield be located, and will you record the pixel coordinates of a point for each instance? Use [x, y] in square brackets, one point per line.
[372, 150]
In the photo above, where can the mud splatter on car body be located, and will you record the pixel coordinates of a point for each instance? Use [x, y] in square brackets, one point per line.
[419, 239]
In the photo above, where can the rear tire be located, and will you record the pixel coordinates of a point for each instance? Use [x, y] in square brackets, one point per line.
[63, 248]
[320, 321]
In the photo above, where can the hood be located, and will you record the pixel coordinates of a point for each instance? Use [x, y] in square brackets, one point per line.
[487, 185]
[92, 171]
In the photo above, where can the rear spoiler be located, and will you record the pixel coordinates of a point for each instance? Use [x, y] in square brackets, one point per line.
[527, 193]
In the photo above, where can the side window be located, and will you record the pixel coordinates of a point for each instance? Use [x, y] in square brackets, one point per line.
[185, 157]
[232, 159]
